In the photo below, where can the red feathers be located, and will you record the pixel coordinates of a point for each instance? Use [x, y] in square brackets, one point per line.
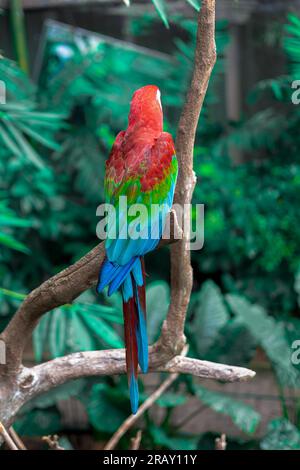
[130, 325]
[143, 151]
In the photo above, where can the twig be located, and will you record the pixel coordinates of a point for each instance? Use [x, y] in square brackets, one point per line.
[7, 439]
[53, 442]
[129, 422]
[19, 443]
[136, 441]
[220, 442]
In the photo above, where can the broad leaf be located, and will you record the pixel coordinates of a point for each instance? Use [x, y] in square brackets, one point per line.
[243, 416]
[233, 344]
[76, 327]
[281, 435]
[103, 414]
[209, 315]
[158, 298]
[176, 442]
[171, 400]
[39, 423]
[161, 9]
[270, 334]
[11, 242]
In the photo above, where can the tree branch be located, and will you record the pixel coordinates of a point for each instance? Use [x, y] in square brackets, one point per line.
[53, 442]
[19, 384]
[136, 441]
[16, 438]
[172, 336]
[7, 438]
[56, 372]
[61, 289]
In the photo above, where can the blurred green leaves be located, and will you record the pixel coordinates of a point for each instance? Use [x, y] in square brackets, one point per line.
[161, 8]
[20, 120]
[105, 410]
[292, 44]
[158, 298]
[76, 327]
[163, 439]
[209, 316]
[243, 416]
[9, 222]
[270, 334]
[51, 174]
[217, 335]
[281, 435]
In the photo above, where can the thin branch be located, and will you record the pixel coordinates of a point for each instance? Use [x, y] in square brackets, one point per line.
[7, 439]
[136, 441]
[208, 370]
[16, 438]
[53, 442]
[132, 419]
[220, 442]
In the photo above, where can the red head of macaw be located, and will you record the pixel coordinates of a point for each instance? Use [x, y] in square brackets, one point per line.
[143, 167]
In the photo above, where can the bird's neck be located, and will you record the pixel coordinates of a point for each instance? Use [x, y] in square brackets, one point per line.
[150, 127]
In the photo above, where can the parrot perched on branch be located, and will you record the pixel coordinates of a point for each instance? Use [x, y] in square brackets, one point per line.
[143, 167]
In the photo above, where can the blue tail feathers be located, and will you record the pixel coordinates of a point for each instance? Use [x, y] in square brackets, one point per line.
[113, 274]
[130, 280]
[134, 394]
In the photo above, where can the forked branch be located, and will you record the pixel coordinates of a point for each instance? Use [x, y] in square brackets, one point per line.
[19, 384]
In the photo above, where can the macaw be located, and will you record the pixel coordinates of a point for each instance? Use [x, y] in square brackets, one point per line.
[143, 167]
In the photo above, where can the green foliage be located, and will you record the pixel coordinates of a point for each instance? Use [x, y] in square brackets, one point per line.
[9, 222]
[76, 327]
[89, 326]
[270, 334]
[157, 306]
[161, 8]
[171, 400]
[251, 228]
[209, 316]
[106, 408]
[252, 212]
[213, 333]
[20, 119]
[180, 441]
[281, 435]
[292, 44]
[55, 137]
[39, 423]
[243, 416]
